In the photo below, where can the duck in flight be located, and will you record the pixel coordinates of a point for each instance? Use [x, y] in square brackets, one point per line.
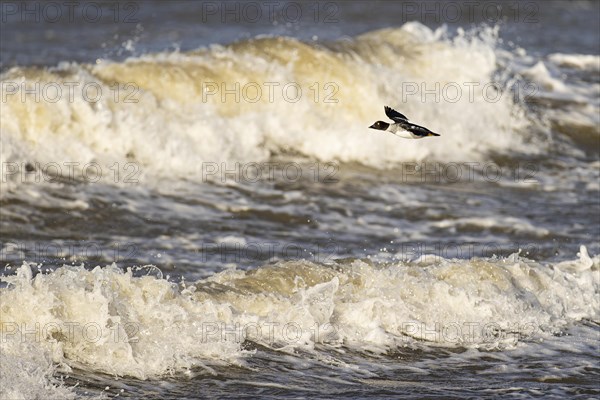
[401, 127]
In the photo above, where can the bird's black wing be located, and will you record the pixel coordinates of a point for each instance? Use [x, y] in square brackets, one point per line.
[417, 129]
[394, 115]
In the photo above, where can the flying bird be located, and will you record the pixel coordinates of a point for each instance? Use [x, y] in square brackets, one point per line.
[401, 127]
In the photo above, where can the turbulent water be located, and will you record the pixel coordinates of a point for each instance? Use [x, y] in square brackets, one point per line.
[218, 220]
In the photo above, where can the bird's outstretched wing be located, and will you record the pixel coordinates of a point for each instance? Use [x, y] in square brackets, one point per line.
[394, 115]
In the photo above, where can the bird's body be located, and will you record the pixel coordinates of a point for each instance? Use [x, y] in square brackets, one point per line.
[401, 127]
[400, 131]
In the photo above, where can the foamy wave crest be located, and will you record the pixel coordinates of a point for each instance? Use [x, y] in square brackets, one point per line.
[111, 321]
[164, 112]
[568, 86]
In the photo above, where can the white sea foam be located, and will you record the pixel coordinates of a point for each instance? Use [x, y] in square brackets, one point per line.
[171, 129]
[511, 224]
[110, 321]
[581, 61]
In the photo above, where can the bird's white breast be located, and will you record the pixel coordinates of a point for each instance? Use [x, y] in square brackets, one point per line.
[399, 131]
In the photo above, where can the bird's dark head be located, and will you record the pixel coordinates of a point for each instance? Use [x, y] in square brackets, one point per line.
[380, 125]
